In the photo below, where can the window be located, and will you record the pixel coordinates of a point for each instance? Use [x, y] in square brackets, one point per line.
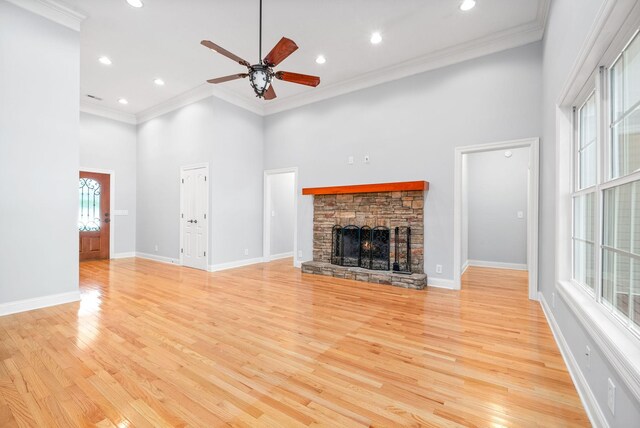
[89, 214]
[606, 206]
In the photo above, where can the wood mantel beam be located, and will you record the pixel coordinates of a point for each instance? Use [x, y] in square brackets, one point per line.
[368, 188]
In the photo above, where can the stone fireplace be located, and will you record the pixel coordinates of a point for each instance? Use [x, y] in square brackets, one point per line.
[351, 224]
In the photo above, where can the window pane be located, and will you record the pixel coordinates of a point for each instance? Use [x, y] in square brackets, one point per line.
[584, 233]
[616, 273]
[617, 89]
[621, 214]
[635, 291]
[89, 213]
[584, 223]
[632, 74]
[625, 150]
[587, 143]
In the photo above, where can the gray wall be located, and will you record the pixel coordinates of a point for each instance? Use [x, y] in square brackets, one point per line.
[227, 137]
[108, 144]
[282, 213]
[39, 103]
[496, 191]
[409, 128]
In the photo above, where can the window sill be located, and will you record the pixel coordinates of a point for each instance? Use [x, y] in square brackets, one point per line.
[619, 345]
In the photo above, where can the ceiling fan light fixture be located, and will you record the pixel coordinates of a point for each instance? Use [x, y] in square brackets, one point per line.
[467, 5]
[260, 79]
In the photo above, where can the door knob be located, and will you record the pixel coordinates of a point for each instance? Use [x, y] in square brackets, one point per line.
[189, 221]
[195, 221]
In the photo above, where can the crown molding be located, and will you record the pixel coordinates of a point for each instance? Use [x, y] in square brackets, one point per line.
[53, 10]
[108, 113]
[518, 36]
[196, 94]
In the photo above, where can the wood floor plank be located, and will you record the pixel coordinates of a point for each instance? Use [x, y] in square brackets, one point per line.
[152, 344]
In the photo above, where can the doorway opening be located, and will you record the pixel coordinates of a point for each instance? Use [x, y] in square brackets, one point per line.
[280, 214]
[95, 230]
[194, 216]
[496, 208]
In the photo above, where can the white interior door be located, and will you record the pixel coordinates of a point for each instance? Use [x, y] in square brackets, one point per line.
[193, 218]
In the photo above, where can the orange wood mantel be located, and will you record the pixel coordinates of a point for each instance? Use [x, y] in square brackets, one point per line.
[368, 188]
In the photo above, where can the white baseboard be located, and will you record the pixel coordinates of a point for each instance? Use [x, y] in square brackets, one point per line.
[497, 265]
[281, 256]
[123, 255]
[38, 302]
[440, 283]
[594, 412]
[298, 263]
[465, 267]
[235, 264]
[158, 258]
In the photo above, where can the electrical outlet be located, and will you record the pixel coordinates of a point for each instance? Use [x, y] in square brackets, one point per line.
[611, 396]
[520, 214]
[299, 254]
[350, 160]
[438, 268]
[366, 158]
[246, 251]
[587, 354]
[156, 248]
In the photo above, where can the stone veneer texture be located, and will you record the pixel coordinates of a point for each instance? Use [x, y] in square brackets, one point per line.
[388, 209]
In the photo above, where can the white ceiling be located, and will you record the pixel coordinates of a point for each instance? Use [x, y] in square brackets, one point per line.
[162, 39]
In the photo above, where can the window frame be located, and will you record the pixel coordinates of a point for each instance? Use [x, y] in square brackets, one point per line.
[599, 85]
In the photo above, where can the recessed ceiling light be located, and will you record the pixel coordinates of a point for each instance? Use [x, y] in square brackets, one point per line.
[159, 82]
[135, 3]
[376, 38]
[104, 60]
[467, 5]
[123, 101]
[321, 59]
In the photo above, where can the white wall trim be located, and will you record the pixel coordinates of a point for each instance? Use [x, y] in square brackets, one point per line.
[123, 255]
[55, 11]
[196, 94]
[96, 110]
[280, 256]
[266, 209]
[440, 283]
[464, 267]
[496, 265]
[235, 264]
[589, 401]
[532, 206]
[38, 302]
[157, 258]
[112, 203]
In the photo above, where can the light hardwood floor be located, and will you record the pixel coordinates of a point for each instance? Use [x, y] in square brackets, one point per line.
[159, 345]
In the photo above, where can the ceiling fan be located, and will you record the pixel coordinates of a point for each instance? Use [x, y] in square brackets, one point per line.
[261, 75]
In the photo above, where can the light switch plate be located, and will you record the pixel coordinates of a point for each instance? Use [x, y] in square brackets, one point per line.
[520, 214]
[350, 160]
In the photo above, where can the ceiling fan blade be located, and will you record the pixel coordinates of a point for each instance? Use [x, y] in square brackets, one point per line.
[270, 93]
[302, 79]
[280, 52]
[224, 52]
[227, 78]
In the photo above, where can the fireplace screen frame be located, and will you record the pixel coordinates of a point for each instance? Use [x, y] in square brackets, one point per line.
[369, 241]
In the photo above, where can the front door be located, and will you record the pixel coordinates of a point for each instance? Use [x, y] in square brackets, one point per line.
[94, 216]
[194, 217]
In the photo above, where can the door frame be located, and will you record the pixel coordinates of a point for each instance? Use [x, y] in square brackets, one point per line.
[112, 203]
[266, 222]
[184, 168]
[532, 206]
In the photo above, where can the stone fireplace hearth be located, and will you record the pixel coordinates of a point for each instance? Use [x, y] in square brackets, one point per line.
[365, 208]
